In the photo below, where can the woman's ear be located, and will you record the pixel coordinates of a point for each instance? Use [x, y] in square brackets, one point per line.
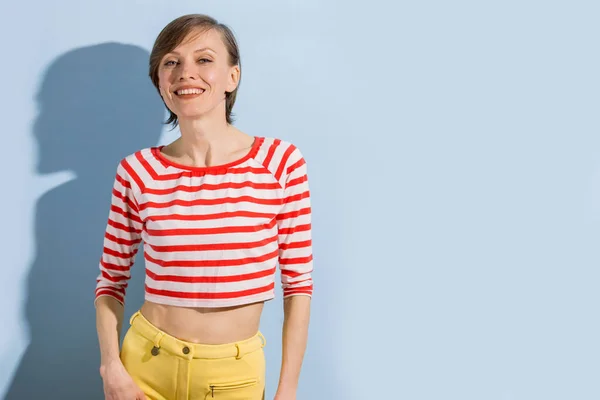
[234, 78]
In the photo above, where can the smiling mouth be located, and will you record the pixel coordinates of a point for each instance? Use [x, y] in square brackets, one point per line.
[189, 92]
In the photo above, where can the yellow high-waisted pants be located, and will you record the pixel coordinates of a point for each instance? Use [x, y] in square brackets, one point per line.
[167, 368]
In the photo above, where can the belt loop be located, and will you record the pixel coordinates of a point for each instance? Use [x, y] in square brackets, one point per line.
[135, 314]
[157, 338]
[239, 352]
[262, 339]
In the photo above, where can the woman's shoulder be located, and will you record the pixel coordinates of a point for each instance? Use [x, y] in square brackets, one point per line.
[281, 146]
[280, 156]
[277, 140]
[133, 162]
[138, 155]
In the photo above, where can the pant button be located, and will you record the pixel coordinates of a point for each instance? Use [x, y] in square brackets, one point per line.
[186, 350]
[154, 351]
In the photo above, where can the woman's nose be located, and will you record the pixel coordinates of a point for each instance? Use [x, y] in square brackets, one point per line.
[186, 72]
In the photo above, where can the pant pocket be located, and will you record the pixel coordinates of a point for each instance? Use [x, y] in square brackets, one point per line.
[234, 390]
[256, 362]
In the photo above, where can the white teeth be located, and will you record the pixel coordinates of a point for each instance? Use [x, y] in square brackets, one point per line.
[190, 91]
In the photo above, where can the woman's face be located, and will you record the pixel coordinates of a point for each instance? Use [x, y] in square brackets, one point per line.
[194, 77]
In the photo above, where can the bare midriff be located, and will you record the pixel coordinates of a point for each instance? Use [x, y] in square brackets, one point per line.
[205, 325]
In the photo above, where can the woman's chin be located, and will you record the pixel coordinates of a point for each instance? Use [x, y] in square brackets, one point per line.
[190, 115]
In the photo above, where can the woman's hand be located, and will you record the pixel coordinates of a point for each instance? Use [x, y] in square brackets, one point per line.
[118, 384]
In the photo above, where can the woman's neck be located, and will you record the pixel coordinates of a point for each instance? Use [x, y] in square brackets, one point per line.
[206, 142]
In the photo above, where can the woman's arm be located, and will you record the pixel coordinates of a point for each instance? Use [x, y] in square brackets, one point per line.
[121, 242]
[122, 239]
[109, 322]
[295, 334]
[296, 263]
[118, 384]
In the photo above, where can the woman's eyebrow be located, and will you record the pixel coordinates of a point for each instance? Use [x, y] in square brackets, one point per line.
[195, 51]
[204, 49]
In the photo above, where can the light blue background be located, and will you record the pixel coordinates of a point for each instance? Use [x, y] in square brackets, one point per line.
[454, 161]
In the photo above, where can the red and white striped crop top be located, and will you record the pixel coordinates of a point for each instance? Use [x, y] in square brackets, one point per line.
[213, 236]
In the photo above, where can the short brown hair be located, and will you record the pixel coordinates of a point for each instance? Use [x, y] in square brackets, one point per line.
[174, 33]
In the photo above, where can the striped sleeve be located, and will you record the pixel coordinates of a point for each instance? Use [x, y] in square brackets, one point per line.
[121, 238]
[294, 229]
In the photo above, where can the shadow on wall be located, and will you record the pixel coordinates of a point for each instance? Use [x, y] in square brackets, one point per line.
[96, 105]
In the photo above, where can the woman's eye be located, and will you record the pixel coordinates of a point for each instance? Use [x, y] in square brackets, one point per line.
[172, 63]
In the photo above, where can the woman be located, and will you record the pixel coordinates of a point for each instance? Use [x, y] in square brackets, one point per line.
[217, 210]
